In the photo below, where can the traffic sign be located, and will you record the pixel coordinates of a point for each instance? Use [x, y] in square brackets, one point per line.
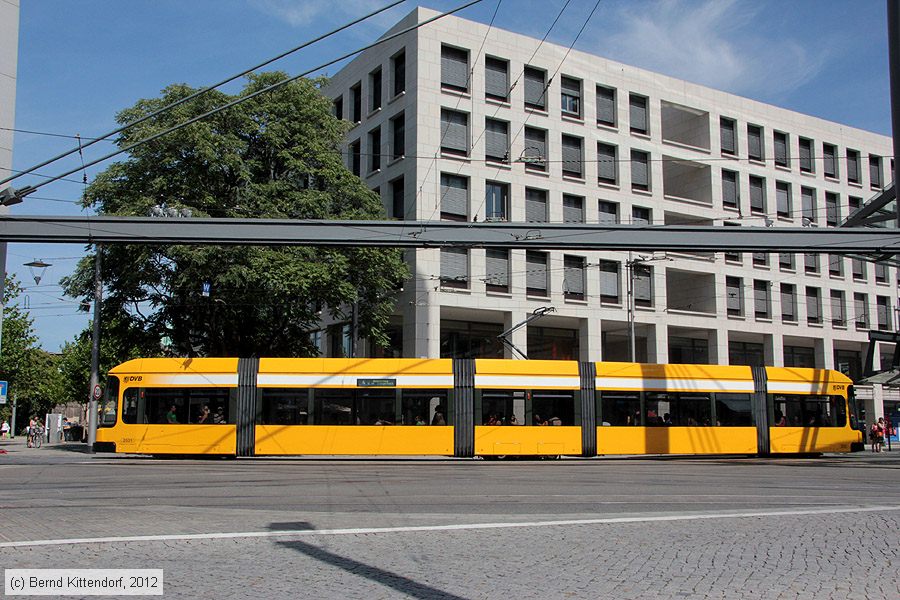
[98, 393]
[3, 388]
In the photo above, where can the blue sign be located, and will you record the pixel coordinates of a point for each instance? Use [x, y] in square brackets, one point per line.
[206, 289]
[4, 386]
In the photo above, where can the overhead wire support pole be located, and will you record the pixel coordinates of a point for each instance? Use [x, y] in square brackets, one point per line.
[95, 352]
[198, 93]
[32, 188]
[893, 17]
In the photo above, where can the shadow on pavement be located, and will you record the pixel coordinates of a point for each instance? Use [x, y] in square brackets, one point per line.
[408, 587]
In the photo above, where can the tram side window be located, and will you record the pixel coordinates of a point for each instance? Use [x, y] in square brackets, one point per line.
[620, 408]
[503, 407]
[800, 410]
[178, 406]
[733, 410]
[678, 409]
[376, 406]
[554, 407]
[334, 407]
[424, 407]
[284, 406]
[130, 405]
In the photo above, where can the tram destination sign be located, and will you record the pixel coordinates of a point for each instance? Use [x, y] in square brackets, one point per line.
[376, 383]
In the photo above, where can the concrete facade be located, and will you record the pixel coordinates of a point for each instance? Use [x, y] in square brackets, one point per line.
[9, 45]
[669, 141]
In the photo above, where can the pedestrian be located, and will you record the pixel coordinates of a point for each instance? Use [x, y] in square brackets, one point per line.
[876, 435]
[4, 429]
[31, 425]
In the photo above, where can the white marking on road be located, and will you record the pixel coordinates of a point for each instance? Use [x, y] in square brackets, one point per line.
[460, 527]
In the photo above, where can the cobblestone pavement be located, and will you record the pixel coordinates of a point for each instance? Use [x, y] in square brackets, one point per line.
[689, 528]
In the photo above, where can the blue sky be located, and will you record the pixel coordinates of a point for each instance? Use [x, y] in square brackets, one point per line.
[81, 62]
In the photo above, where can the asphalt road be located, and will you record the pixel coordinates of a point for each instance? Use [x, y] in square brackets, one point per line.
[445, 528]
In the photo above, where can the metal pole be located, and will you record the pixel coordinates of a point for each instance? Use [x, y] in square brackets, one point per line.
[95, 352]
[630, 268]
[354, 327]
[893, 17]
[12, 429]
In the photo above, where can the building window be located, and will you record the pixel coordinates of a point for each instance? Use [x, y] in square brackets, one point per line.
[783, 199]
[398, 72]
[637, 110]
[734, 296]
[806, 156]
[535, 153]
[782, 154]
[375, 150]
[832, 209]
[875, 171]
[853, 175]
[496, 264]
[573, 278]
[454, 132]
[735, 257]
[338, 107]
[642, 285]
[535, 205]
[813, 306]
[570, 96]
[762, 303]
[606, 106]
[608, 212]
[836, 265]
[829, 161]
[757, 195]
[881, 272]
[455, 267]
[572, 156]
[496, 201]
[838, 318]
[454, 69]
[573, 209]
[808, 204]
[861, 310]
[728, 135]
[641, 215]
[398, 136]
[755, 142]
[496, 79]
[355, 157]
[730, 189]
[786, 261]
[454, 197]
[799, 356]
[375, 90]
[858, 269]
[883, 307]
[761, 259]
[398, 207]
[536, 280]
[496, 140]
[811, 263]
[745, 353]
[535, 88]
[356, 103]
[640, 170]
[688, 351]
[607, 164]
[609, 282]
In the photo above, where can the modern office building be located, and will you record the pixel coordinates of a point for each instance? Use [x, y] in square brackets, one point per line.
[9, 51]
[460, 122]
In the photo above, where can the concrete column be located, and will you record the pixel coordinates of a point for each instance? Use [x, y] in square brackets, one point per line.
[718, 347]
[659, 350]
[519, 337]
[773, 347]
[823, 353]
[589, 339]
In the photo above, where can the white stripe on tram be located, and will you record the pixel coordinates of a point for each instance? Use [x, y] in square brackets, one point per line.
[460, 527]
[344, 380]
[639, 383]
[527, 381]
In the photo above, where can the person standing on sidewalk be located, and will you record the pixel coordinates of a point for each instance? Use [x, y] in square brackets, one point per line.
[4, 430]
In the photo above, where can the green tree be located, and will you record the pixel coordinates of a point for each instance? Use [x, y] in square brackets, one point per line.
[272, 156]
[32, 373]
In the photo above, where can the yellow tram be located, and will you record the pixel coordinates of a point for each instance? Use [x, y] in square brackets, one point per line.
[470, 407]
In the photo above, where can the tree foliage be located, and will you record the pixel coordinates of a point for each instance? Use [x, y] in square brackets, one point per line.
[272, 156]
[33, 374]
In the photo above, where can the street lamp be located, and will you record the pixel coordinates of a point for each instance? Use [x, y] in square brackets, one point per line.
[37, 268]
[95, 353]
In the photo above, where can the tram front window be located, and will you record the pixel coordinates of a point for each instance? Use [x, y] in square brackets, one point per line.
[109, 404]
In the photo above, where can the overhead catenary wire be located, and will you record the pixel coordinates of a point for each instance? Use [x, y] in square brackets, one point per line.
[259, 92]
[130, 124]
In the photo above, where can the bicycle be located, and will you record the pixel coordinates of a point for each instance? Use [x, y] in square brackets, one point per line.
[35, 437]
